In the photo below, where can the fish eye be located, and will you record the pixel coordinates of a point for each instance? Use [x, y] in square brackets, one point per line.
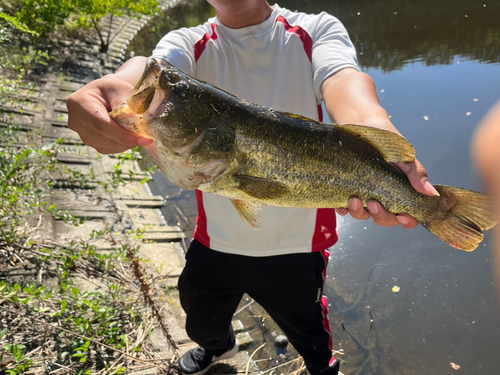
[181, 89]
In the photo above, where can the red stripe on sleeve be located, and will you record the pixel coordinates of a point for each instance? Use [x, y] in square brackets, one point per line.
[200, 45]
[301, 33]
[320, 113]
[325, 232]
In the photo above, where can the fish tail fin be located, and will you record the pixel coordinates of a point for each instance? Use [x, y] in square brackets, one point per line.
[468, 214]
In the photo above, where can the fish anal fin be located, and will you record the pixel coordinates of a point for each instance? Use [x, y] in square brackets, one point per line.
[260, 188]
[393, 147]
[250, 212]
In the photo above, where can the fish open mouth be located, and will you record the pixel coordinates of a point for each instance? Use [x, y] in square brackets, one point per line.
[145, 90]
[150, 95]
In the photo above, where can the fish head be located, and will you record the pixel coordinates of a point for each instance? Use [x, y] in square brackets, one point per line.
[191, 145]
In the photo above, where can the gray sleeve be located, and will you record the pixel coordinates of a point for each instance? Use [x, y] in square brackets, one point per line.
[332, 50]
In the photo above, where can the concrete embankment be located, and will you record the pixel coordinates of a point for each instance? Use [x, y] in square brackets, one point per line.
[129, 209]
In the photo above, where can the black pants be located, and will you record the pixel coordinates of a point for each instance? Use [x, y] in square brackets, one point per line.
[289, 287]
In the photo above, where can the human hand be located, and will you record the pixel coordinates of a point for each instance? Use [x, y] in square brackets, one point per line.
[88, 110]
[418, 178]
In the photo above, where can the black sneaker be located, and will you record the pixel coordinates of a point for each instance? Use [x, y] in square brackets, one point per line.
[197, 361]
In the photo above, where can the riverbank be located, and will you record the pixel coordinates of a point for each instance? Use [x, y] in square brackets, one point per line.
[92, 287]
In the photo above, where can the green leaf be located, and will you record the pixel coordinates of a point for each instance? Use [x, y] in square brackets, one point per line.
[17, 24]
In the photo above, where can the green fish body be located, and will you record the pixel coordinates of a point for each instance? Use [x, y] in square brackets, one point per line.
[207, 139]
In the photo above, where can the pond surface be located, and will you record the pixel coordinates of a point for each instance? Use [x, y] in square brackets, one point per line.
[436, 65]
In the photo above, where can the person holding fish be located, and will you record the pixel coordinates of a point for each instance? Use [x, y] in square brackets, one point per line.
[289, 62]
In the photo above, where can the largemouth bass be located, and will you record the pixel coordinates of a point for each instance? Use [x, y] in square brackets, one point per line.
[207, 139]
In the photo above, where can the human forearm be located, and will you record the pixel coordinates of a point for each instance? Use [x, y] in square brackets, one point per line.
[132, 69]
[486, 153]
[351, 98]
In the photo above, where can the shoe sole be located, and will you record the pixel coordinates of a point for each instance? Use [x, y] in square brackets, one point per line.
[229, 354]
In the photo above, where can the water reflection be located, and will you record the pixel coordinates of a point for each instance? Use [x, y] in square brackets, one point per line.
[389, 33]
[436, 65]
[445, 310]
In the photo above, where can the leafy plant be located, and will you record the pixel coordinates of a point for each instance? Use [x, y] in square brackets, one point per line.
[21, 361]
[25, 179]
[92, 11]
[17, 54]
[95, 318]
[15, 23]
[88, 330]
[41, 17]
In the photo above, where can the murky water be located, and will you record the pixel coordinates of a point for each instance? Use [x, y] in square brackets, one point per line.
[436, 65]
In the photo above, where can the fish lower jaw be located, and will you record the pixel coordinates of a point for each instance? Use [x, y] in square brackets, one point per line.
[130, 120]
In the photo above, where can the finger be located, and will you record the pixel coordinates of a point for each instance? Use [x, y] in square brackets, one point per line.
[104, 145]
[380, 216]
[357, 210]
[417, 175]
[88, 110]
[342, 211]
[407, 221]
[92, 122]
[117, 142]
[99, 122]
[144, 141]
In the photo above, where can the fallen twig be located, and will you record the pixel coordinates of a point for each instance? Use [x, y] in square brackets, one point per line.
[244, 307]
[250, 359]
[145, 288]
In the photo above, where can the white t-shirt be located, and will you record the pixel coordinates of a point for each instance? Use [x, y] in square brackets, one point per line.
[280, 63]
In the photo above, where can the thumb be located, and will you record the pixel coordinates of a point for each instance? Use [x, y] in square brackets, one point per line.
[417, 176]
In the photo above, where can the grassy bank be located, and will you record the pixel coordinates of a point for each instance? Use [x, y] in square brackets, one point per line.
[68, 305]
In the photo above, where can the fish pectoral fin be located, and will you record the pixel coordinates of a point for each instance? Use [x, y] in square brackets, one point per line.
[250, 212]
[393, 147]
[260, 188]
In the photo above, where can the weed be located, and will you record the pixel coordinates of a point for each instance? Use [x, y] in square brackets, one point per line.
[21, 361]
[88, 329]
[53, 320]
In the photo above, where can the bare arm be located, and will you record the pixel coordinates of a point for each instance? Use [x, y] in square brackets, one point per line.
[88, 109]
[351, 98]
[486, 152]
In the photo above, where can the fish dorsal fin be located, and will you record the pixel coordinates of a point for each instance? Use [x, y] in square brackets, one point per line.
[260, 188]
[295, 116]
[250, 212]
[393, 147]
